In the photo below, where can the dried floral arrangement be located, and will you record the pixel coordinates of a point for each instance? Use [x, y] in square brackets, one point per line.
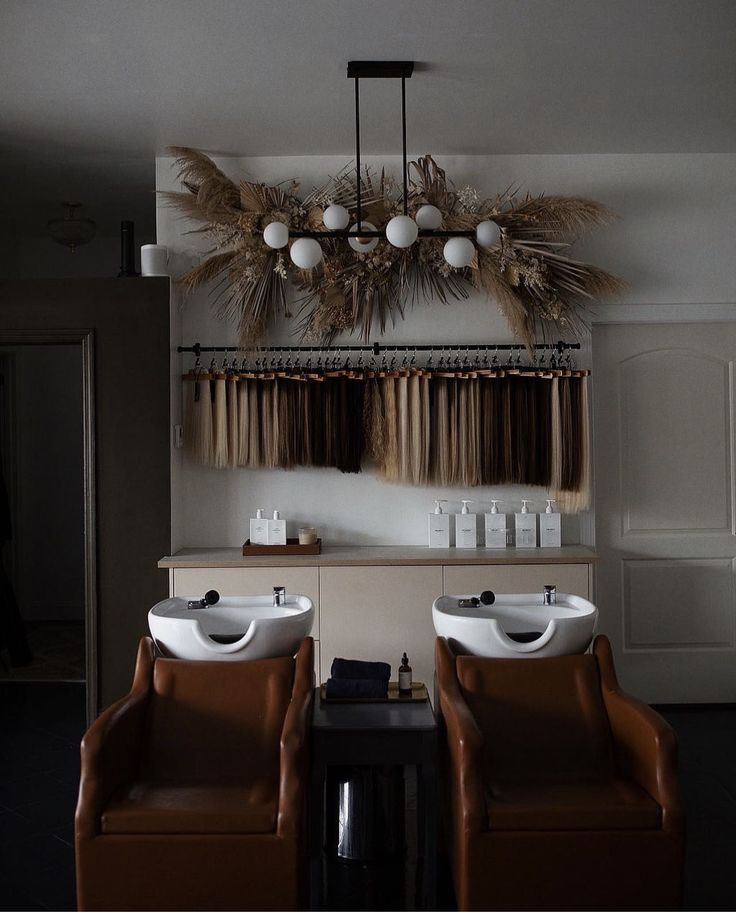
[529, 274]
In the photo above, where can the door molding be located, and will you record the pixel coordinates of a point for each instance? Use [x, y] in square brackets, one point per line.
[85, 339]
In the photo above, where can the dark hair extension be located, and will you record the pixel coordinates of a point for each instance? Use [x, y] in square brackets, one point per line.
[316, 390]
[283, 443]
[304, 424]
[543, 454]
[453, 431]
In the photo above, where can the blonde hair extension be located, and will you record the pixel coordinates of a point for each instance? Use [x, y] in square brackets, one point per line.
[243, 422]
[415, 449]
[255, 401]
[426, 429]
[233, 429]
[402, 419]
[439, 434]
[390, 466]
[219, 423]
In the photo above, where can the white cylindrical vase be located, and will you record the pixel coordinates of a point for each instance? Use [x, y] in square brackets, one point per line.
[154, 260]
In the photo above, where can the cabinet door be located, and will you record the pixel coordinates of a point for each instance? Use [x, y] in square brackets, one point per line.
[376, 613]
[517, 578]
[249, 581]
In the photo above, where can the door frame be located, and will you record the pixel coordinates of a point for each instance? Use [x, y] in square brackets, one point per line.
[85, 339]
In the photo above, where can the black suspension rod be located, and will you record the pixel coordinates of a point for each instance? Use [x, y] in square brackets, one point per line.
[403, 144]
[357, 149]
[377, 348]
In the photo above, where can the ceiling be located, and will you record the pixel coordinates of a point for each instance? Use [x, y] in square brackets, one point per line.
[94, 89]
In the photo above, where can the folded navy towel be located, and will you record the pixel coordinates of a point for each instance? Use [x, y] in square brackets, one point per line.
[356, 688]
[356, 668]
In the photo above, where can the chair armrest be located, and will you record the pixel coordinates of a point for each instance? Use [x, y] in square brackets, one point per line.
[464, 742]
[110, 748]
[646, 744]
[294, 754]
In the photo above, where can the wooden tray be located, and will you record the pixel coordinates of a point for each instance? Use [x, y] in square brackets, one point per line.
[418, 693]
[292, 547]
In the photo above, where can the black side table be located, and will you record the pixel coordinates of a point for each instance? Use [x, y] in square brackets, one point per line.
[399, 733]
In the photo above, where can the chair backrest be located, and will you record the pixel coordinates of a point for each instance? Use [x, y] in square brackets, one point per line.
[541, 718]
[216, 721]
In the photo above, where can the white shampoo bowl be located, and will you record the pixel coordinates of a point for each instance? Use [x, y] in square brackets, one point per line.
[507, 628]
[235, 628]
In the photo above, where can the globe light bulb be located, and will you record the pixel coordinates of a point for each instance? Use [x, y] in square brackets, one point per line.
[305, 253]
[402, 231]
[276, 235]
[459, 252]
[363, 245]
[428, 217]
[335, 217]
[487, 233]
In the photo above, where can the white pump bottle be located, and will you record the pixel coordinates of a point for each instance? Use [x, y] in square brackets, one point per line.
[526, 527]
[550, 532]
[495, 527]
[438, 526]
[466, 527]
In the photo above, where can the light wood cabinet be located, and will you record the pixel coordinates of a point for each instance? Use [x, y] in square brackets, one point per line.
[517, 578]
[375, 613]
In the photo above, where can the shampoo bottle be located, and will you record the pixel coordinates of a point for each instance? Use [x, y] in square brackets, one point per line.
[550, 535]
[276, 530]
[438, 526]
[526, 527]
[466, 529]
[258, 529]
[495, 527]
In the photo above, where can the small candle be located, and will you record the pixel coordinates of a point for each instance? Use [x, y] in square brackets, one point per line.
[307, 535]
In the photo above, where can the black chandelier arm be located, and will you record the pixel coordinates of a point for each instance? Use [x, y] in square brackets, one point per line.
[377, 233]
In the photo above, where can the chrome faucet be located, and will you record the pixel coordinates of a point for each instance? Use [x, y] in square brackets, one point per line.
[211, 597]
[279, 595]
[549, 597]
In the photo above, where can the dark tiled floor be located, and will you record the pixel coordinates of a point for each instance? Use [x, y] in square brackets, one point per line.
[41, 724]
[40, 728]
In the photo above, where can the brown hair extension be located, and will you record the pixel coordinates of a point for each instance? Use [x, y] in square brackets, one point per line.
[453, 427]
[243, 422]
[426, 429]
[543, 450]
[233, 430]
[328, 421]
[487, 437]
[219, 423]
[374, 431]
[391, 457]
[463, 448]
[506, 421]
[316, 390]
[474, 428]
[193, 444]
[414, 418]
[402, 427]
[255, 400]
[304, 422]
[285, 425]
[555, 481]
[439, 434]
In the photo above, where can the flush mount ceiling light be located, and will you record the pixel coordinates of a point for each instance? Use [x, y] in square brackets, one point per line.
[401, 231]
[71, 231]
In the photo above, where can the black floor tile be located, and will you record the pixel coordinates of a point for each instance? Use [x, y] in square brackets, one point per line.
[14, 898]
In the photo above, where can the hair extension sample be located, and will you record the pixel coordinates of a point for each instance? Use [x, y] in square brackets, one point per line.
[233, 428]
[219, 423]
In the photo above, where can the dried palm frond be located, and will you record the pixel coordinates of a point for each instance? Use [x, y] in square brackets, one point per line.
[536, 284]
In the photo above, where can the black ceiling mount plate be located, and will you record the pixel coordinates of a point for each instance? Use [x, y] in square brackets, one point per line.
[380, 69]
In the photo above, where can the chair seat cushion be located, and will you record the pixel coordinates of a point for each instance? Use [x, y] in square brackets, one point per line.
[614, 804]
[160, 808]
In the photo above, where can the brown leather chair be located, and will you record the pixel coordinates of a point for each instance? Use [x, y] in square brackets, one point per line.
[193, 788]
[562, 791]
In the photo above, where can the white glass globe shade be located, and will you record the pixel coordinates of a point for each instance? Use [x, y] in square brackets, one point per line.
[359, 246]
[487, 233]
[305, 253]
[402, 231]
[335, 217]
[459, 252]
[276, 235]
[428, 217]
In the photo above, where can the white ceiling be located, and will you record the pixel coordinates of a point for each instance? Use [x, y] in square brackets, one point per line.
[93, 89]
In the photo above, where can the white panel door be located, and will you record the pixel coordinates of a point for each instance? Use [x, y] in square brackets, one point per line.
[664, 412]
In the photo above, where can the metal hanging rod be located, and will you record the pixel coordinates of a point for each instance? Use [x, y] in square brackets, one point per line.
[377, 348]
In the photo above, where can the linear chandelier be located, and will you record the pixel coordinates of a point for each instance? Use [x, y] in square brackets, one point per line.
[402, 231]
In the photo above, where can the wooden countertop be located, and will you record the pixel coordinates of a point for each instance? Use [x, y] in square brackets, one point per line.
[382, 555]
